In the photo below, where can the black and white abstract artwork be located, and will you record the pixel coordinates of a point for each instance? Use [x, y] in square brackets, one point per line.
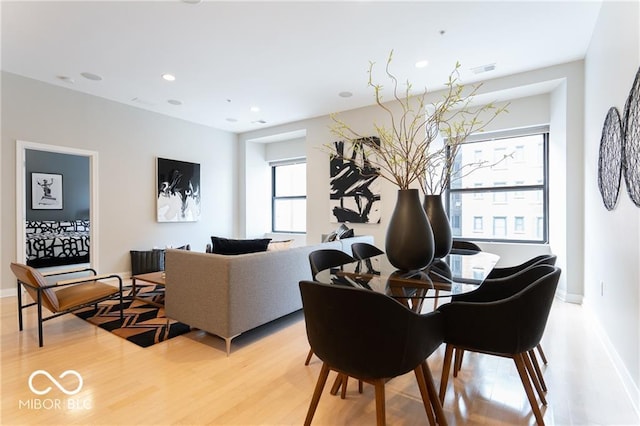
[354, 183]
[46, 191]
[178, 191]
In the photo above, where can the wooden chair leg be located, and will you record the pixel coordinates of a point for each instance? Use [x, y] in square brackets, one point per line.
[524, 377]
[360, 390]
[309, 355]
[336, 384]
[536, 367]
[343, 393]
[424, 393]
[433, 395]
[380, 408]
[322, 380]
[541, 352]
[457, 363]
[446, 365]
[534, 377]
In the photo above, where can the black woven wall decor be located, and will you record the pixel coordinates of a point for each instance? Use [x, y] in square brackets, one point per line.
[631, 143]
[610, 159]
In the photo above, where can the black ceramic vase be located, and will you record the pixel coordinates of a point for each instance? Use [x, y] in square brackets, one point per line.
[439, 225]
[409, 242]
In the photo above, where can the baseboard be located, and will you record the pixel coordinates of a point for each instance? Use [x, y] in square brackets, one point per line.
[569, 297]
[8, 292]
[632, 389]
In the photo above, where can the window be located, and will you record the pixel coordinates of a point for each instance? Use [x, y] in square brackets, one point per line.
[514, 193]
[477, 223]
[499, 197]
[499, 226]
[289, 197]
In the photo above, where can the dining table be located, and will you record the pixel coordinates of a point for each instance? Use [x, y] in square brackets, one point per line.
[461, 271]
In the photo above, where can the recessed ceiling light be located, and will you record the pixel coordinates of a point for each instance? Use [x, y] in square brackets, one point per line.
[422, 64]
[174, 102]
[232, 120]
[259, 122]
[192, 1]
[345, 94]
[91, 76]
[255, 109]
[168, 77]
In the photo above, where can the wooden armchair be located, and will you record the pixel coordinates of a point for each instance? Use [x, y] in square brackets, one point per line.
[64, 296]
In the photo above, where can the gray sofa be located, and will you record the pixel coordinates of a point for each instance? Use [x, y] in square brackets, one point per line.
[228, 295]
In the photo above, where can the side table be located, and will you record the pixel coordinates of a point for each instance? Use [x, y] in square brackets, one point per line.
[157, 278]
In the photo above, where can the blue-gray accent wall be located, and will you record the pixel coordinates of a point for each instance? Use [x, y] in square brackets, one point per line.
[75, 184]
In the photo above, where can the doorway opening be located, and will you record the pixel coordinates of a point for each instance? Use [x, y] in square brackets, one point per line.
[80, 217]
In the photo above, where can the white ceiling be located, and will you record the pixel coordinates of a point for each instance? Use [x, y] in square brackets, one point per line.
[291, 59]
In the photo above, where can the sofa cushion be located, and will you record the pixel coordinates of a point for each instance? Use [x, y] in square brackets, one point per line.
[279, 245]
[230, 246]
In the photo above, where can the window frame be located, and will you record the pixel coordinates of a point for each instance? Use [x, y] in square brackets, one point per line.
[275, 198]
[543, 187]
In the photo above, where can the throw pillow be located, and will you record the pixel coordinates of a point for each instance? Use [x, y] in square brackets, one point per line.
[279, 245]
[230, 246]
[347, 234]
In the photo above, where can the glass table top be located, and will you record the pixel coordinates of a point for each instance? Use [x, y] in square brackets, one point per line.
[459, 272]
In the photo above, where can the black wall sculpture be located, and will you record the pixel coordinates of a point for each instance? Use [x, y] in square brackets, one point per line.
[631, 150]
[620, 150]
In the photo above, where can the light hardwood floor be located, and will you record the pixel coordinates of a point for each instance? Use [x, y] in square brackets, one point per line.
[190, 380]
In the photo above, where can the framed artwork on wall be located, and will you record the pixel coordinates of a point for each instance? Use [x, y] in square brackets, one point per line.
[354, 187]
[46, 191]
[178, 191]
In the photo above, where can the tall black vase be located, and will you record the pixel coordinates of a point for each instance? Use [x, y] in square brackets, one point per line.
[409, 242]
[439, 225]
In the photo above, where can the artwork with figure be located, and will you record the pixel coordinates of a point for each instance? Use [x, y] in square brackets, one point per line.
[354, 183]
[178, 191]
[46, 191]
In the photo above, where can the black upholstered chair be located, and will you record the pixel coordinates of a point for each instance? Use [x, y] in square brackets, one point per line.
[386, 341]
[363, 251]
[500, 288]
[509, 327]
[464, 245]
[63, 296]
[543, 259]
[319, 260]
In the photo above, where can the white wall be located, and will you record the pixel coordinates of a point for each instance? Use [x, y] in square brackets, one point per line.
[524, 110]
[127, 140]
[612, 238]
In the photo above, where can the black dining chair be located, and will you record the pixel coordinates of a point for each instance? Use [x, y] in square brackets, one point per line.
[386, 341]
[464, 245]
[363, 251]
[543, 259]
[319, 260]
[508, 327]
[498, 289]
